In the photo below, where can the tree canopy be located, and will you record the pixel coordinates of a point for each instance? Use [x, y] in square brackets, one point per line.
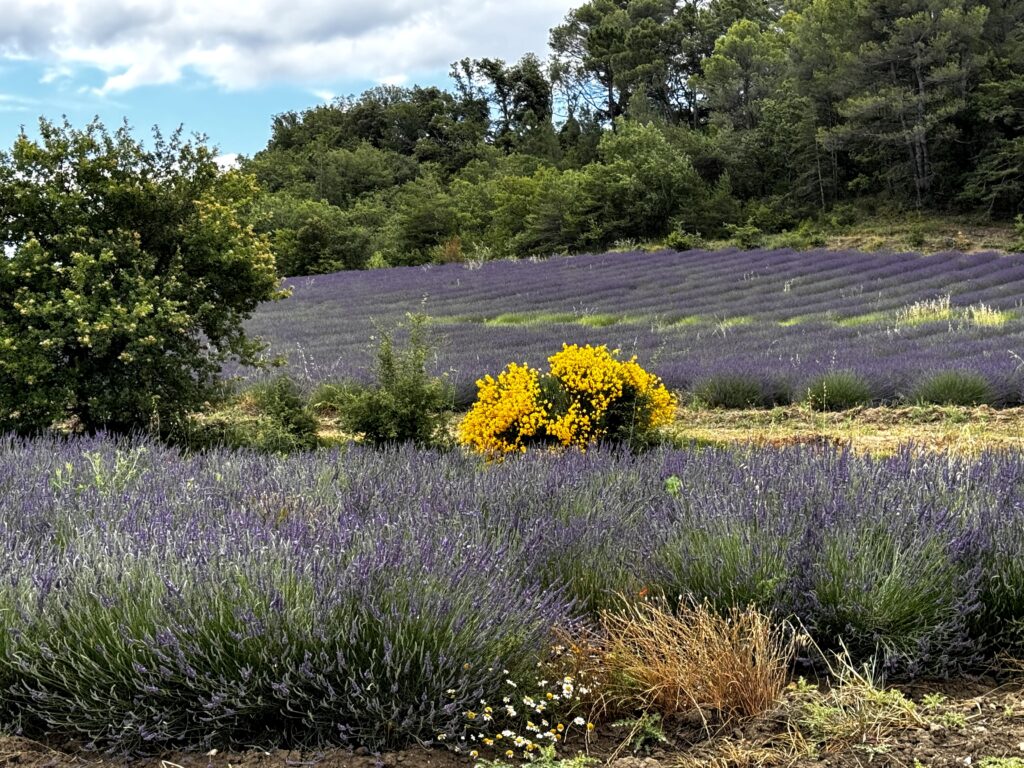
[126, 276]
[767, 113]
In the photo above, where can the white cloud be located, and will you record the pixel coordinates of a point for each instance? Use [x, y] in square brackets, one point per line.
[241, 44]
[227, 162]
[10, 102]
[55, 73]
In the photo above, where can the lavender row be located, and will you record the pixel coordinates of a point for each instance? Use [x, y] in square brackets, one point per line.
[363, 597]
[780, 315]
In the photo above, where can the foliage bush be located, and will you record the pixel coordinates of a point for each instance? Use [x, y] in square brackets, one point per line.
[745, 236]
[684, 241]
[954, 388]
[838, 391]
[806, 235]
[405, 403]
[1018, 228]
[588, 396]
[271, 416]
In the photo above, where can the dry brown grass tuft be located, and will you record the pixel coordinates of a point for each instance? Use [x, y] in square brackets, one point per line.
[729, 753]
[693, 660]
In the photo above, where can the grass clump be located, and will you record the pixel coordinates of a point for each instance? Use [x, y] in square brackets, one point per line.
[926, 311]
[722, 561]
[694, 660]
[954, 388]
[838, 391]
[895, 597]
[855, 712]
[405, 403]
[984, 316]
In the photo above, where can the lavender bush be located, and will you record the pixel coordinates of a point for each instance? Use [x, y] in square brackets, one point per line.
[371, 597]
[779, 316]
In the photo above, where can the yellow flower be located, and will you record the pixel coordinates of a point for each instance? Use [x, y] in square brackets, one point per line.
[519, 407]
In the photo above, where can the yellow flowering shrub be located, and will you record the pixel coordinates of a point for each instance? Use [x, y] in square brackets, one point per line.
[588, 395]
[507, 413]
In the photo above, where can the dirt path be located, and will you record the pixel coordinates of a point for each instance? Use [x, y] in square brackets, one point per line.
[975, 725]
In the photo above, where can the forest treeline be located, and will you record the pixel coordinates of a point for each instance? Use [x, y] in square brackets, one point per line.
[661, 119]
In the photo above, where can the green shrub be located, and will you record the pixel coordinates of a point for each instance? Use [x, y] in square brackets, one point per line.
[838, 391]
[771, 214]
[684, 241]
[844, 215]
[1018, 227]
[745, 236]
[731, 391]
[283, 401]
[916, 236]
[330, 398]
[405, 403]
[271, 416]
[954, 388]
[804, 236]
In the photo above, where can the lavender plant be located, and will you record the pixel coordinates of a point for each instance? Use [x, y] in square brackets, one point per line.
[150, 599]
[695, 316]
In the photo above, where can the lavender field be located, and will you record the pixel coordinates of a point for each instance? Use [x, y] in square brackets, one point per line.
[782, 316]
[371, 597]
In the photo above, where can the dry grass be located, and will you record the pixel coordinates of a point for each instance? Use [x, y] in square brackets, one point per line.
[694, 661]
[854, 712]
[927, 311]
[877, 431]
[731, 753]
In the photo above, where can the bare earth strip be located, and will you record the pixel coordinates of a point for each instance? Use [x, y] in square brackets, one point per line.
[977, 724]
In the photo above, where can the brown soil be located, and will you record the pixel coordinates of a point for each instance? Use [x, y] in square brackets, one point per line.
[976, 721]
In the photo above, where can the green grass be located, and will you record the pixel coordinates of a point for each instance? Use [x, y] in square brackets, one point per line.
[600, 321]
[531, 318]
[798, 319]
[592, 320]
[858, 320]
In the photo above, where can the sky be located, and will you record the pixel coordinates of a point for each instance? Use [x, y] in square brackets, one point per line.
[225, 67]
